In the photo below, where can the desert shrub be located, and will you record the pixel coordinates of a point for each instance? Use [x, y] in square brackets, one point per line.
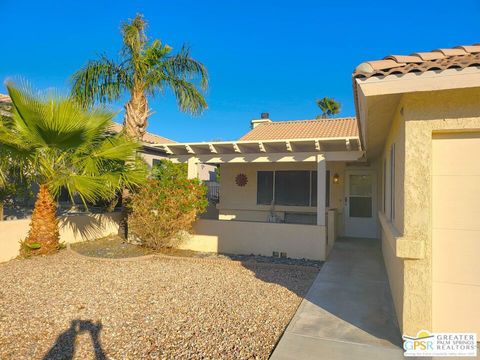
[168, 171]
[162, 212]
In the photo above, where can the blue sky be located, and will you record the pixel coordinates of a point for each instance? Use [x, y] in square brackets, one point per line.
[262, 56]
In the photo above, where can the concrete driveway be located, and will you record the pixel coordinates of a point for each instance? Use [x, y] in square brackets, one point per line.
[348, 312]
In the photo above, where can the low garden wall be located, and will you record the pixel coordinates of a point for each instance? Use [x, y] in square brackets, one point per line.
[73, 228]
[244, 237]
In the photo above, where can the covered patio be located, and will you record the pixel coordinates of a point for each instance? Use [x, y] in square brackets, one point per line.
[274, 194]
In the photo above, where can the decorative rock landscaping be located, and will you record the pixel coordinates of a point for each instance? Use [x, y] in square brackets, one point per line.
[65, 306]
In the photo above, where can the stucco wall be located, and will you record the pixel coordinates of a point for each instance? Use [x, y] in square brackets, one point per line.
[394, 265]
[242, 237]
[149, 155]
[424, 114]
[419, 115]
[391, 229]
[73, 228]
[240, 203]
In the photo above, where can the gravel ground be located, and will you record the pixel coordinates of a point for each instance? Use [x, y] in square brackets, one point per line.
[67, 306]
[115, 247]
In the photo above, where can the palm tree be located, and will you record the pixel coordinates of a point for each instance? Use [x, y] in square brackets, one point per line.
[66, 147]
[329, 107]
[144, 69]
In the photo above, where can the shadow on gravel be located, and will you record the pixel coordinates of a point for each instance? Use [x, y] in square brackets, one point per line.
[64, 347]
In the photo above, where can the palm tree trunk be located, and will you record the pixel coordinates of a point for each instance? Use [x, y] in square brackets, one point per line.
[136, 115]
[44, 235]
[1, 210]
[135, 123]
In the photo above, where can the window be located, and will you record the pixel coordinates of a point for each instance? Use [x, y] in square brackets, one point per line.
[392, 182]
[264, 187]
[360, 193]
[384, 186]
[290, 188]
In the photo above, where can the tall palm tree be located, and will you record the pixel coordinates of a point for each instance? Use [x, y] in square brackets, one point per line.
[144, 69]
[329, 107]
[66, 147]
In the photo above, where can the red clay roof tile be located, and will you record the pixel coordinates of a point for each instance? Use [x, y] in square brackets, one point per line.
[440, 59]
[303, 129]
[148, 137]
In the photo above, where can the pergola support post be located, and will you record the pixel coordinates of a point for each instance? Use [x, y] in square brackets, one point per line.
[321, 188]
[192, 168]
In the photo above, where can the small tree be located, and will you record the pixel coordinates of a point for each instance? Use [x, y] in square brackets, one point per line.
[329, 107]
[66, 147]
[163, 211]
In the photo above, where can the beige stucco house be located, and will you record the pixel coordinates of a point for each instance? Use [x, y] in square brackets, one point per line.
[282, 188]
[405, 170]
[419, 117]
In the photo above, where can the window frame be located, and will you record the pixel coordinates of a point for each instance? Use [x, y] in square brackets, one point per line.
[384, 186]
[310, 203]
[392, 182]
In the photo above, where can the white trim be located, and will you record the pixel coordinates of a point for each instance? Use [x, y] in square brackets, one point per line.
[270, 157]
[261, 147]
[212, 148]
[189, 149]
[321, 188]
[236, 148]
[289, 145]
[427, 81]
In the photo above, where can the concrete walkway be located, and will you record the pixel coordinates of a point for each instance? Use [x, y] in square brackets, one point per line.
[348, 312]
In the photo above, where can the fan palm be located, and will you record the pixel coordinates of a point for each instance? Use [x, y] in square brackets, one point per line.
[329, 107]
[66, 147]
[144, 69]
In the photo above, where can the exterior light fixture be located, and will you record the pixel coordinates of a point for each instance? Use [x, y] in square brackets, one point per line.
[336, 178]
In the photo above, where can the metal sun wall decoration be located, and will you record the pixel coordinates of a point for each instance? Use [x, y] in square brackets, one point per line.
[241, 180]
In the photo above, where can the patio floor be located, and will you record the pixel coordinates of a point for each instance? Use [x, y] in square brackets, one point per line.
[348, 312]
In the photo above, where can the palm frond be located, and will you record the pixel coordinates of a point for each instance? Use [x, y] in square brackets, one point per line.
[67, 146]
[329, 107]
[183, 66]
[134, 40]
[101, 80]
[189, 98]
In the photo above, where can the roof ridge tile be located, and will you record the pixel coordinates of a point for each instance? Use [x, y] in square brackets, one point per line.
[442, 58]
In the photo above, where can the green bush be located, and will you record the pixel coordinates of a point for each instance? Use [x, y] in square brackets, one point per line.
[168, 171]
[163, 211]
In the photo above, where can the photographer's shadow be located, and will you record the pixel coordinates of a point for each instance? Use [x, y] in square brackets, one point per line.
[64, 347]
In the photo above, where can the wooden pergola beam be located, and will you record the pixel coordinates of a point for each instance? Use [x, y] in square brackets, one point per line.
[212, 148]
[236, 148]
[189, 149]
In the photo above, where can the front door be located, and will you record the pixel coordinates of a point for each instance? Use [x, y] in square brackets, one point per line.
[360, 204]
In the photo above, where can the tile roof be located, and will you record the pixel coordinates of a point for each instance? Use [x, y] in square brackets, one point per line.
[459, 57]
[6, 103]
[303, 129]
[148, 137]
[5, 99]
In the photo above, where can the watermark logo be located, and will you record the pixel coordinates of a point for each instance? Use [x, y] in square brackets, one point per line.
[440, 344]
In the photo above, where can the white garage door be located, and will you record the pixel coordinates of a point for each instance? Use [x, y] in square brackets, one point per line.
[456, 233]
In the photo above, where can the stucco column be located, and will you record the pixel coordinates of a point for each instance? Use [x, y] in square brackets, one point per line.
[321, 187]
[192, 168]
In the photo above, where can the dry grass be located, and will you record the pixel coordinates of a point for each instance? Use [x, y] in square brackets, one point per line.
[155, 308]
